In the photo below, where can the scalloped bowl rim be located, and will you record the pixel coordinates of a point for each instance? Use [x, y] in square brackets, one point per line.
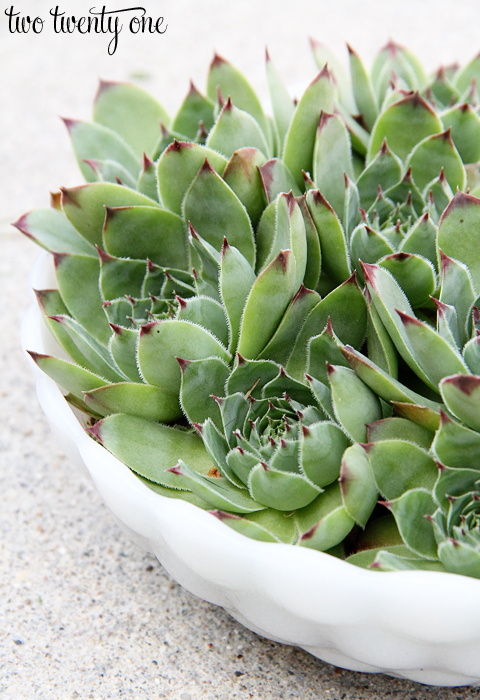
[419, 625]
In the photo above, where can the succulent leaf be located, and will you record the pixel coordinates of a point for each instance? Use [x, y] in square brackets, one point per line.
[332, 159]
[51, 229]
[242, 174]
[355, 405]
[74, 378]
[84, 206]
[462, 397]
[131, 112]
[143, 400]
[346, 308]
[359, 490]
[432, 155]
[397, 428]
[86, 309]
[404, 124]
[281, 344]
[321, 449]
[177, 168]
[362, 89]
[235, 129]
[457, 233]
[215, 211]
[274, 287]
[324, 522]
[92, 142]
[281, 490]
[300, 138]
[456, 445]
[171, 339]
[410, 511]
[335, 257]
[195, 108]
[464, 124]
[201, 380]
[233, 84]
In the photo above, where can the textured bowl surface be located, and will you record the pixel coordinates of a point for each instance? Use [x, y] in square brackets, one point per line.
[420, 625]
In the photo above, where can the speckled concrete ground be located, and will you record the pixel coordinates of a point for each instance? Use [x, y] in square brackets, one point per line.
[83, 612]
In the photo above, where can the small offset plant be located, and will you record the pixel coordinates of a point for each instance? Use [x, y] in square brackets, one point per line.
[276, 318]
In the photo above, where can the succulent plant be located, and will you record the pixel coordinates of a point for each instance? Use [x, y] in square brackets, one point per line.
[276, 318]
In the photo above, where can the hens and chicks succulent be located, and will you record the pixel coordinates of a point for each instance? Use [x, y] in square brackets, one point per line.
[276, 318]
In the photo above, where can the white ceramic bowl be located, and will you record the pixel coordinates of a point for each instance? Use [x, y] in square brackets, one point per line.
[420, 625]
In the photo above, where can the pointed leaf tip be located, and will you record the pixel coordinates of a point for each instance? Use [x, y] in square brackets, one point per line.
[324, 73]
[21, 224]
[460, 200]
[206, 167]
[182, 302]
[36, 355]
[408, 320]
[367, 446]
[183, 363]
[217, 60]
[95, 430]
[193, 233]
[369, 271]
[70, 123]
[466, 383]
[147, 163]
[310, 533]
[330, 368]
[148, 327]
[175, 470]
[222, 515]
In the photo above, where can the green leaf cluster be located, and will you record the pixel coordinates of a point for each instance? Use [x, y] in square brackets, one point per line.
[276, 316]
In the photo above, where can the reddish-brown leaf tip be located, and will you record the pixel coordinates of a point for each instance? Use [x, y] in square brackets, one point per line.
[70, 123]
[147, 163]
[183, 363]
[182, 303]
[310, 533]
[221, 515]
[217, 61]
[95, 430]
[466, 383]
[175, 470]
[408, 320]
[148, 327]
[460, 200]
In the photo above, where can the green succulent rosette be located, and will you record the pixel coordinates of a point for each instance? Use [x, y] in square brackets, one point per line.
[276, 318]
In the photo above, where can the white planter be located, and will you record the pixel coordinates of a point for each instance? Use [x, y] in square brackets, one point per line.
[420, 625]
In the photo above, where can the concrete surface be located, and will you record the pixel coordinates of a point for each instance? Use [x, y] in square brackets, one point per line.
[83, 612]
